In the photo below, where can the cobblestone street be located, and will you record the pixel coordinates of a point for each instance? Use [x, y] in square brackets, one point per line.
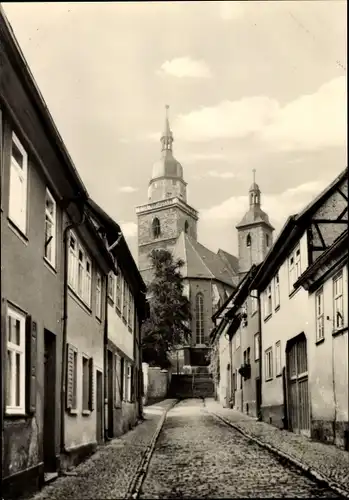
[198, 456]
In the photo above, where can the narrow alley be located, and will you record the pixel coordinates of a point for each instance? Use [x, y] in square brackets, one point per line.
[196, 455]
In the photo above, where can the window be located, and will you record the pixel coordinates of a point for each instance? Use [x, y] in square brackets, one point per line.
[319, 304]
[118, 298]
[129, 381]
[338, 301]
[15, 366]
[98, 295]
[248, 356]
[254, 302]
[131, 314]
[50, 229]
[18, 185]
[199, 308]
[79, 271]
[269, 364]
[156, 228]
[248, 240]
[237, 340]
[125, 300]
[277, 291]
[294, 267]
[129, 309]
[186, 226]
[278, 358]
[256, 346]
[267, 240]
[111, 286]
[85, 383]
[267, 302]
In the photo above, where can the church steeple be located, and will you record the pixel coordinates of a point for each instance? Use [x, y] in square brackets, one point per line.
[167, 137]
[254, 193]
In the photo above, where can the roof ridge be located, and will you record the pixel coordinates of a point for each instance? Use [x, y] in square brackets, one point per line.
[204, 263]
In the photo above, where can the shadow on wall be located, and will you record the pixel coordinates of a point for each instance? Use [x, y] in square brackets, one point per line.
[156, 384]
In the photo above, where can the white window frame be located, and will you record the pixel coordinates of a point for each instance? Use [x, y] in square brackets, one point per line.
[14, 349]
[118, 291]
[125, 300]
[338, 303]
[98, 295]
[256, 346]
[237, 339]
[22, 174]
[254, 303]
[276, 291]
[278, 369]
[111, 286]
[319, 314]
[269, 364]
[81, 289]
[51, 219]
[267, 302]
[294, 267]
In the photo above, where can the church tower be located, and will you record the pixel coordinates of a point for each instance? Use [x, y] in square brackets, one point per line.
[255, 233]
[167, 212]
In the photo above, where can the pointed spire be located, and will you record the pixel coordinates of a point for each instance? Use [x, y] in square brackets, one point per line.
[254, 193]
[167, 138]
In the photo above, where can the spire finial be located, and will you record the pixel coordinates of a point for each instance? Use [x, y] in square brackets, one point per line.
[254, 175]
[167, 138]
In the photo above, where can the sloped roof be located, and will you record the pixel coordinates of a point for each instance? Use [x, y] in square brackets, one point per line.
[229, 259]
[200, 262]
[254, 215]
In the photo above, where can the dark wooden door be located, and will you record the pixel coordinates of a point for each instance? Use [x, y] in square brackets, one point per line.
[49, 401]
[298, 397]
[110, 394]
[99, 406]
[258, 396]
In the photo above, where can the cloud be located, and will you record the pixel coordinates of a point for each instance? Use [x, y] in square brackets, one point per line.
[309, 122]
[129, 229]
[192, 158]
[185, 67]
[231, 10]
[217, 175]
[128, 189]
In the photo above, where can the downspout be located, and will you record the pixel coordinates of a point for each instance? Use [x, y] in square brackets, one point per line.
[2, 350]
[65, 324]
[105, 361]
[260, 355]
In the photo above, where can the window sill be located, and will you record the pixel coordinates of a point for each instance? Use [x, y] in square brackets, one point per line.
[73, 411]
[110, 301]
[130, 329]
[17, 231]
[50, 266]
[124, 320]
[86, 413]
[339, 331]
[254, 313]
[320, 341]
[99, 320]
[269, 379]
[267, 318]
[278, 375]
[277, 308]
[79, 301]
[12, 415]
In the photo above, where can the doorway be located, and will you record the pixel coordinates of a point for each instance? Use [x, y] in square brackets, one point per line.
[110, 394]
[99, 404]
[49, 430]
[297, 381]
[258, 396]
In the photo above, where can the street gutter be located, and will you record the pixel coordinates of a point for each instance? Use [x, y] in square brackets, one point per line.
[139, 476]
[307, 470]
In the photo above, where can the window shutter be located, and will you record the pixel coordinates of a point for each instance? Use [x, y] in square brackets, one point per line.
[31, 361]
[70, 378]
[122, 378]
[91, 386]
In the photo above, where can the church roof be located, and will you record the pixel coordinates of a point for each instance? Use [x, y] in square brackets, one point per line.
[254, 216]
[167, 166]
[230, 259]
[200, 262]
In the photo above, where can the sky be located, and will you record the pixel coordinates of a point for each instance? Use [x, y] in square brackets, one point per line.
[250, 85]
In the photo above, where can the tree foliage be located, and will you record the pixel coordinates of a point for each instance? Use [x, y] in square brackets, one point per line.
[168, 322]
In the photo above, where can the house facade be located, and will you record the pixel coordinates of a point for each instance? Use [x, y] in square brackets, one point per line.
[291, 368]
[126, 310]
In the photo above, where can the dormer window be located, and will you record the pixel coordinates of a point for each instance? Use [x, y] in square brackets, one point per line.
[156, 228]
[248, 240]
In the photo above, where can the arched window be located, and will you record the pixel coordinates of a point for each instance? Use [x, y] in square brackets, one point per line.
[256, 198]
[186, 226]
[251, 197]
[248, 240]
[156, 228]
[199, 310]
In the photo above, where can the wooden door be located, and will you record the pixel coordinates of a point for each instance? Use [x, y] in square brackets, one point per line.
[298, 395]
[49, 401]
[99, 406]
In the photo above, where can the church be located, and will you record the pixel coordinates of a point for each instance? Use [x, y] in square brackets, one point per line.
[169, 222]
